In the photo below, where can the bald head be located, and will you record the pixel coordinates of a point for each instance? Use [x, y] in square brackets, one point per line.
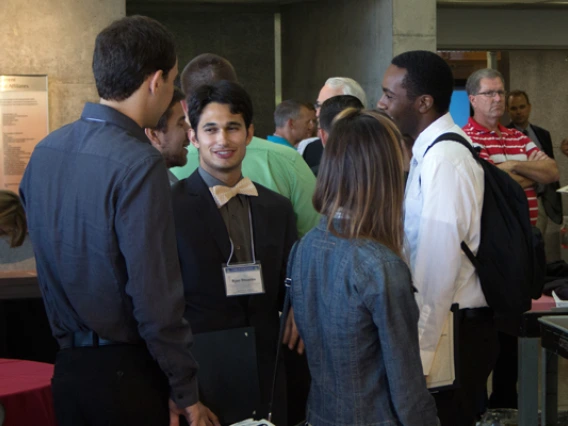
[207, 68]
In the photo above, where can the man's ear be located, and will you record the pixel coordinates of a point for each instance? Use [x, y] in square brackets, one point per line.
[156, 81]
[185, 113]
[290, 123]
[250, 133]
[471, 99]
[323, 136]
[425, 103]
[154, 139]
[193, 138]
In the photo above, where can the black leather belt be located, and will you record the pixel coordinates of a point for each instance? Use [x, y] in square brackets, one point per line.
[477, 313]
[84, 339]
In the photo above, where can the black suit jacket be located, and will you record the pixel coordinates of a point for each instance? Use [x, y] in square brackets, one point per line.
[203, 246]
[312, 154]
[551, 199]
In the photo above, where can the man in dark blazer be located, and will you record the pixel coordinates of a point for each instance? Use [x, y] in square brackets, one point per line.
[221, 219]
[550, 202]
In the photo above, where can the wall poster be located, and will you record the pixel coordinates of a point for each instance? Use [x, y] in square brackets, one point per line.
[24, 122]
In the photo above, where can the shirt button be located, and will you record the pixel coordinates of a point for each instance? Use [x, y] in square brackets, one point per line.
[238, 247]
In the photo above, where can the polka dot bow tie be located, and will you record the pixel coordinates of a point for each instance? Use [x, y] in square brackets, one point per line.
[222, 194]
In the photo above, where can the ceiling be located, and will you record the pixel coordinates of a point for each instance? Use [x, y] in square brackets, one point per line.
[487, 3]
[442, 3]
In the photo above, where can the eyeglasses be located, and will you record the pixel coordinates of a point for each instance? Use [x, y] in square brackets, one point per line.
[492, 93]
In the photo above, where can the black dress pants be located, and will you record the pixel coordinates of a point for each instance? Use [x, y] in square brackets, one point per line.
[478, 347]
[115, 385]
[504, 394]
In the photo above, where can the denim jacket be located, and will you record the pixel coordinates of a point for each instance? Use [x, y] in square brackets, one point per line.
[355, 310]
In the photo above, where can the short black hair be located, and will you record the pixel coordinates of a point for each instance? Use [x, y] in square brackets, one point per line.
[223, 92]
[162, 125]
[127, 52]
[517, 93]
[427, 74]
[333, 106]
[206, 68]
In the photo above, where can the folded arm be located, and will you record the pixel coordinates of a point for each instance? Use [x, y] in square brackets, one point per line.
[538, 168]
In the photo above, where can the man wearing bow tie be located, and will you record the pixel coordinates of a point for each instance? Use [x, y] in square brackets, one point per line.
[233, 235]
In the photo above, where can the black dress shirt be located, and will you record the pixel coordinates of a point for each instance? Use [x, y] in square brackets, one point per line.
[98, 204]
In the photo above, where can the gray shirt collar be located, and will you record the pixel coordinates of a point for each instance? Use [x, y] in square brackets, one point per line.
[209, 180]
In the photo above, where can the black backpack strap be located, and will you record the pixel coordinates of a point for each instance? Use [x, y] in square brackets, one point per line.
[469, 254]
[283, 319]
[456, 137]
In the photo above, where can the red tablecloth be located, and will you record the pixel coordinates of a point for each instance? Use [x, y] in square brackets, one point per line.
[545, 303]
[25, 393]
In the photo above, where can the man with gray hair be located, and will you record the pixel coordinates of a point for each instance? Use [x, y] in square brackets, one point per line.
[515, 153]
[509, 149]
[294, 121]
[336, 86]
[312, 148]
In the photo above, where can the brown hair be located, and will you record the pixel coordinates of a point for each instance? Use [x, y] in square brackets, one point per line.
[12, 218]
[361, 178]
[516, 93]
[204, 69]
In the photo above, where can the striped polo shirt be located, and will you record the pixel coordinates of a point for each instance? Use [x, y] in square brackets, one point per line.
[511, 145]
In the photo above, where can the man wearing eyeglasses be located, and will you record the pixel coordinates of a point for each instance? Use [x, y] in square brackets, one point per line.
[508, 149]
[514, 152]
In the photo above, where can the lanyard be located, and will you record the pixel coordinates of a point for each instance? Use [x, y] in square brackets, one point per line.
[251, 242]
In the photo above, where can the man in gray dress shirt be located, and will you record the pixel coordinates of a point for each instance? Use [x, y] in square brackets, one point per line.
[100, 220]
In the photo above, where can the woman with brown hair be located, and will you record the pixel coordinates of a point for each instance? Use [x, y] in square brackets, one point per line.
[351, 292]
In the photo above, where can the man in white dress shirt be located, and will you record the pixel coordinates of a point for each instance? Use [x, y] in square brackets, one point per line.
[443, 202]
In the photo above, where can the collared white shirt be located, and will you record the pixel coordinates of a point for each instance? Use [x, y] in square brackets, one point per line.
[172, 178]
[304, 143]
[443, 202]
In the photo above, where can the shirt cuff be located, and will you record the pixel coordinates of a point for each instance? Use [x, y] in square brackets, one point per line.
[186, 394]
[427, 358]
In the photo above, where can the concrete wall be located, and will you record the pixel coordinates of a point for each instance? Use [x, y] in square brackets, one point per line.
[56, 37]
[352, 39]
[542, 74]
[510, 28]
[323, 39]
[244, 34]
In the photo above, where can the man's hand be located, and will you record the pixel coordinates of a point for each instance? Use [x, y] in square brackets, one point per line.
[538, 156]
[196, 415]
[564, 147]
[507, 166]
[291, 335]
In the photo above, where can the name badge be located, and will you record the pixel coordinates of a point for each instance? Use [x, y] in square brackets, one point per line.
[242, 280]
